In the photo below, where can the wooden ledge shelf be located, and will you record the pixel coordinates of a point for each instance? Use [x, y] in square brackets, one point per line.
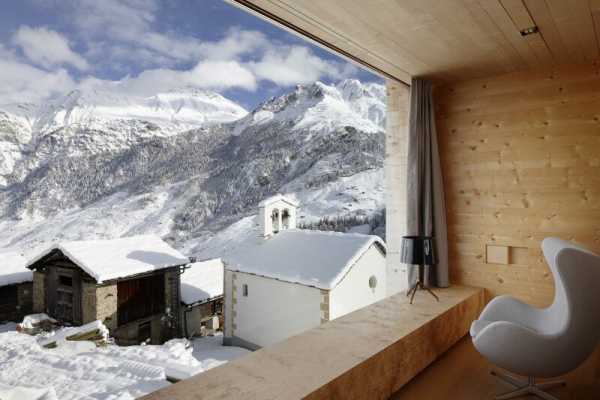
[368, 354]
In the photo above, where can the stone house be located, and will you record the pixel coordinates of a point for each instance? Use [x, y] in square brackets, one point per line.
[281, 281]
[16, 287]
[131, 284]
[202, 296]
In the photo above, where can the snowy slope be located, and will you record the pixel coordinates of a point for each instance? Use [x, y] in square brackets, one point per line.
[125, 176]
[319, 106]
[83, 123]
[82, 371]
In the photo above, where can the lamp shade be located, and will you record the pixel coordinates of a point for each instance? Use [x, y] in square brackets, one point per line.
[418, 250]
[412, 250]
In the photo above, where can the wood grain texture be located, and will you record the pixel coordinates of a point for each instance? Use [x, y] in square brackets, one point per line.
[396, 143]
[367, 354]
[439, 381]
[521, 160]
[444, 41]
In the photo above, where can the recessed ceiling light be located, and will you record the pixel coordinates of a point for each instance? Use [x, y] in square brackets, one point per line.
[529, 31]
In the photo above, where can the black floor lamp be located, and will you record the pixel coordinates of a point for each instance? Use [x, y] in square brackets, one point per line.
[418, 250]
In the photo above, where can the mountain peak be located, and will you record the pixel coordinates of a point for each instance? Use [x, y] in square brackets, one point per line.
[348, 103]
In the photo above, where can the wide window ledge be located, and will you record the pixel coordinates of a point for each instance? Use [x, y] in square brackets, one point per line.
[368, 354]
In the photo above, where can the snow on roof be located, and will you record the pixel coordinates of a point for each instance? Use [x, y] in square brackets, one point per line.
[105, 260]
[307, 257]
[13, 269]
[277, 197]
[203, 280]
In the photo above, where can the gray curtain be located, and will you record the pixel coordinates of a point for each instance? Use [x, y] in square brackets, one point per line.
[426, 208]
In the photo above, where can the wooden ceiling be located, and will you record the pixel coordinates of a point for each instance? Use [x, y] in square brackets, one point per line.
[445, 40]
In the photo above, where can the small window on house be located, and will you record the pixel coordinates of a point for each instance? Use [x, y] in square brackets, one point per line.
[372, 282]
[245, 290]
[64, 280]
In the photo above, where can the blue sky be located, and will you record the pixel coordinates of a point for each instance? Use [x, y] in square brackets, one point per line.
[144, 46]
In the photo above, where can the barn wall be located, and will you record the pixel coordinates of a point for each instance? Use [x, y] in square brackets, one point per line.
[521, 162]
[272, 311]
[16, 301]
[353, 292]
[25, 299]
[39, 292]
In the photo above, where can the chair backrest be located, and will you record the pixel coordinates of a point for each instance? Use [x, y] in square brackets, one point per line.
[574, 316]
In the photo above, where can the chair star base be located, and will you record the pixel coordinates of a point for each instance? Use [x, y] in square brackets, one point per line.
[526, 387]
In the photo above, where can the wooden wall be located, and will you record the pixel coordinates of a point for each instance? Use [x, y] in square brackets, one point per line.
[396, 145]
[521, 160]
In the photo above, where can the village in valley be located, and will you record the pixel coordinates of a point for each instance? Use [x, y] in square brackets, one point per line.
[182, 186]
[133, 314]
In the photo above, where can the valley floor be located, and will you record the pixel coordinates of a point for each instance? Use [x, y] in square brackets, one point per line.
[82, 371]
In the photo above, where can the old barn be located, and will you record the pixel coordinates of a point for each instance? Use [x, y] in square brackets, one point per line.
[131, 284]
[15, 287]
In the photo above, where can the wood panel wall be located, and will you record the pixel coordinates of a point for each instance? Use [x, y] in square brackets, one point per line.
[396, 145]
[521, 160]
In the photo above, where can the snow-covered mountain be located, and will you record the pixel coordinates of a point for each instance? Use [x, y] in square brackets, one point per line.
[188, 165]
[82, 123]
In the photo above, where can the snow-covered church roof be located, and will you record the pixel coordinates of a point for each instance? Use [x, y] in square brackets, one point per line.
[13, 269]
[312, 258]
[105, 260]
[202, 281]
[277, 197]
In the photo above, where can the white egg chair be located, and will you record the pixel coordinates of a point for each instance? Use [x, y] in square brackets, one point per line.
[549, 342]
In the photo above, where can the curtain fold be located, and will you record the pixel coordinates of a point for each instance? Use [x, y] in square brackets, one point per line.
[426, 207]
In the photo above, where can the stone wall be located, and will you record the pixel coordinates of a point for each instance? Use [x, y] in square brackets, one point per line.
[105, 305]
[88, 302]
[172, 303]
[39, 292]
[324, 306]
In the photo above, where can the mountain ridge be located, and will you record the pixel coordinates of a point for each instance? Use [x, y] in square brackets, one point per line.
[322, 143]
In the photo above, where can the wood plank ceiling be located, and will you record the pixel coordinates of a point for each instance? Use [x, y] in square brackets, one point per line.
[445, 40]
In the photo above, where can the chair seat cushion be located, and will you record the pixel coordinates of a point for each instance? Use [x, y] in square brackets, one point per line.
[477, 326]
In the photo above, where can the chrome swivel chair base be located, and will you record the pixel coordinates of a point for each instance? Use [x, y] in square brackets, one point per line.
[526, 387]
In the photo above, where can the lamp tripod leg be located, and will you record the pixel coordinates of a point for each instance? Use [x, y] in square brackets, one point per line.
[414, 291]
[431, 293]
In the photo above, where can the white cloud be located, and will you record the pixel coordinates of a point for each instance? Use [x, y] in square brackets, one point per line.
[128, 25]
[47, 48]
[297, 64]
[217, 75]
[121, 38]
[20, 82]
[234, 44]
[223, 75]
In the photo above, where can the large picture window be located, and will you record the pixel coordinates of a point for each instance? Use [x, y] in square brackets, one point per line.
[140, 298]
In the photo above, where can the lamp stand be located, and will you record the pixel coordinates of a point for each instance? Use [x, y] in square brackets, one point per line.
[420, 285]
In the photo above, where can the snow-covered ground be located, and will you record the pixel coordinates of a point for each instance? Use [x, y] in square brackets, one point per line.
[80, 370]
